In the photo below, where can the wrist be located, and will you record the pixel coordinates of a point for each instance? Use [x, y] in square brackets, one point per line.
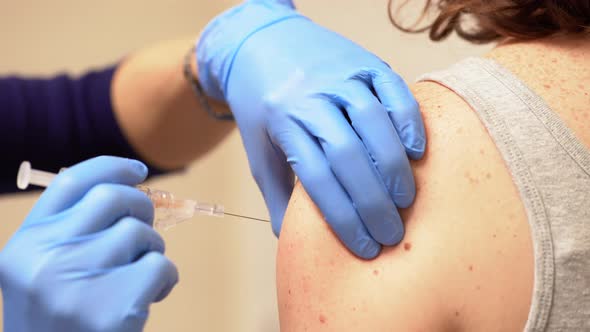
[191, 79]
[288, 3]
[223, 37]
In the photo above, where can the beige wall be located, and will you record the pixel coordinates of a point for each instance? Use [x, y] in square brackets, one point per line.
[226, 266]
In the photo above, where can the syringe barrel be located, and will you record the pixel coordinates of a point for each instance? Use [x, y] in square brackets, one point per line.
[169, 211]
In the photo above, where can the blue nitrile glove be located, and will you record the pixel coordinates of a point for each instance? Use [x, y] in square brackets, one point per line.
[306, 96]
[86, 258]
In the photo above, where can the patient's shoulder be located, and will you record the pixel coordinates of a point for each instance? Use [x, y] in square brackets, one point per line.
[465, 263]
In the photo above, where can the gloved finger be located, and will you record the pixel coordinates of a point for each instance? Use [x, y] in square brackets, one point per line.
[70, 185]
[350, 162]
[403, 109]
[105, 204]
[307, 158]
[121, 244]
[371, 122]
[274, 178]
[150, 279]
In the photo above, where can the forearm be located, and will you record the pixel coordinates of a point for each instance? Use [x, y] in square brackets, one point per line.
[157, 110]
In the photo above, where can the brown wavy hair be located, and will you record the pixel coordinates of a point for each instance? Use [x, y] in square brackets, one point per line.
[496, 19]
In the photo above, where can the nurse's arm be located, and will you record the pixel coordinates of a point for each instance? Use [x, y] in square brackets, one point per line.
[158, 111]
[142, 108]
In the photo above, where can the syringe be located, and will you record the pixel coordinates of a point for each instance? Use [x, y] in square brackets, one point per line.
[169, 210]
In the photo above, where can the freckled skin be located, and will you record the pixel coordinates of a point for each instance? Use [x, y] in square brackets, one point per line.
[471, 179]
[570, 73]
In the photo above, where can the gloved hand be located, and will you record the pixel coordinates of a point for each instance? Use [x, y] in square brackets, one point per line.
[86, 258]
[306, 96]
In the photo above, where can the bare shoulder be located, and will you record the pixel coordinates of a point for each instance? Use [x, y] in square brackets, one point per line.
[466, 262]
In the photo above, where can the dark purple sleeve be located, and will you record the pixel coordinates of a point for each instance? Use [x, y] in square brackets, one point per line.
[57, 122]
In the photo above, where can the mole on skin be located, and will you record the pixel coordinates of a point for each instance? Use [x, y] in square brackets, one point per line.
[322, 319]
[407, 246]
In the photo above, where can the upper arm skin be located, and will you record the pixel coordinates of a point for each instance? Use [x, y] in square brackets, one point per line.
[466, 262]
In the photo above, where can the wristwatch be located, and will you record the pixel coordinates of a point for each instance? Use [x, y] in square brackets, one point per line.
[193, 80]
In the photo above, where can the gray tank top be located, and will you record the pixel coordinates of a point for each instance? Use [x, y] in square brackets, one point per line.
[551, 170]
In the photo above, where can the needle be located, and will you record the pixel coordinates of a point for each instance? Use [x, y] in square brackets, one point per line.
[240, 216]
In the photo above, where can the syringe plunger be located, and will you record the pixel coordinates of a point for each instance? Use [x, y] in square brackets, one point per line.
[27, 175]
